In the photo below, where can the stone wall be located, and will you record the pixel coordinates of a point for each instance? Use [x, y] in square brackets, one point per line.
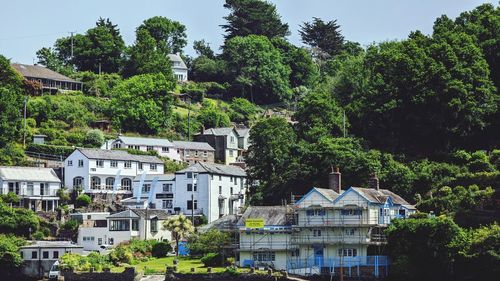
[222, 277]
[127, 275]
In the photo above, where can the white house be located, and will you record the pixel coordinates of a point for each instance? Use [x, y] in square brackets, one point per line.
[36, 187]
[39, 256]
[178, 67]
[124, 226]
[224, 141]
[100, 171]
[243, 138]
[208, 189]
[193, 152]
[267, 244]
[163, 147]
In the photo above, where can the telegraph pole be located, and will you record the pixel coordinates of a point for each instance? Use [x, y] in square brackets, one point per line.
[71, 32]
[24, 133]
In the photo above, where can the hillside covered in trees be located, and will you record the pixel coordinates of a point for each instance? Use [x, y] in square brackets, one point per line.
[422, 113]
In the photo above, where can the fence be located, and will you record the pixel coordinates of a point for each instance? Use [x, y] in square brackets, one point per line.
[353, 266]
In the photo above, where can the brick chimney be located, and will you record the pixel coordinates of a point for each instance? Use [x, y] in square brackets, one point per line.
[335, 180]
[374, 182]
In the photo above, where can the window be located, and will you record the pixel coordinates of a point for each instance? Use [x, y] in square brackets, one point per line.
[153, 225]
[95, 183]
[99, 163]
[220, 189]
[135, 225]
[152, 167]
[146, 188]
[99, 241]
[189, 187]
[127, 165]
[186, 152]
[190, 204]
[167, 187]
[348, 252]
[114, 163]
[231, 153]
[231, 190]
[205, 154]
[111, 241]
[77, 182]
[80, 163]
[119, 225]
[232, 139]
[164, 149]
[189, 175]
[30, 188]
[34, 254]
[149, 148]
[70, 162]
[351, 212]
[55, 255]
[22, 254]
[264, 256]
[45, 254]
[195, 187]
[110, 182]
[317, 232]
[315, 212]
[140, 166]
[126, 184]
[166, 204]
[195, 175]
[349, 231]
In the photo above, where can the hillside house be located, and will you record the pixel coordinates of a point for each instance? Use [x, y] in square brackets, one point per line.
[224, 141]
[36, 187]
[179, 68]
[163, 147]
[49, 80]
[194, 152]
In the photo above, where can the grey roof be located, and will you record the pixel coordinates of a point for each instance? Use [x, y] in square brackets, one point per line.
[242, 131]
[219, 131]
[328, 193]
[31, 174]
[94, 153]
[381, 195]
[212, 168]
[161, 177]
[145, 141]
[51, 244]
[160, 214]
[124, 214]
[272, 215]
[37, 71]
[225, 223]
[193, 145]
[177, 58]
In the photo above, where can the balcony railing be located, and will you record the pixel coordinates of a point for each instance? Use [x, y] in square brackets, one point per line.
[319, 261]
[337, 239]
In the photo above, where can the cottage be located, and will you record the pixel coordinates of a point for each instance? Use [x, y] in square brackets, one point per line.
[224, 141]
[49, 80]
[194, 152]
[124, 226]
[178, 67]
[39, 256]
[100, 171]
[163, 147]
[36, 187]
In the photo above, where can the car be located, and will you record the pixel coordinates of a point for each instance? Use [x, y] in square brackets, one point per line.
[104, 249]
[54, 271]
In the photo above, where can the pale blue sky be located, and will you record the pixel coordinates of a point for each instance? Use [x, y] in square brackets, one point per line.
[28, 25]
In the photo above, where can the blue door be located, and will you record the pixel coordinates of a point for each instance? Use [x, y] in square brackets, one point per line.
[318, 256]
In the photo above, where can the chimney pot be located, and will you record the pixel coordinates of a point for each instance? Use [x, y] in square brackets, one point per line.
[335, 180]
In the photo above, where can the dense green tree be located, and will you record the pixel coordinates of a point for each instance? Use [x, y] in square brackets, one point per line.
[205, 69]
[97, 85]
[202, 48]
[212, 117]
[323, 35]
[169, 35]
[242, 110]
[256, 69]
[152, 100]
[11, 100]
[49, 58]
[249, 17]
[10, 257]
[212, 241]
[17, 221]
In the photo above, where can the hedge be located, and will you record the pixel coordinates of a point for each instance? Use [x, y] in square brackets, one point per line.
[50, 149]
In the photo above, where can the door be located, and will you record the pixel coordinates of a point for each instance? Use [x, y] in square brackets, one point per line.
[318, 256]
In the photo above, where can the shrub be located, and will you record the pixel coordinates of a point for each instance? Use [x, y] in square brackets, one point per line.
[83, 200]
[38, 235]
[94, 138]
[161, 249]
[50, 149]
[212, 259]
[121, 254]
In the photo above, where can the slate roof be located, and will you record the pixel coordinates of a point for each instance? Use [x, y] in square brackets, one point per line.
[160, 214]
[217, 169]
[242, 131]
[380, 196]
[328, 193]
[225, 223]
[193, 145]
[124, 214]
[150, 177]
[51, 244]
[145, 141]
[177, 58]
[95, 153]
[37, 71]
[31, 174]
[218, 131]
[272, 215]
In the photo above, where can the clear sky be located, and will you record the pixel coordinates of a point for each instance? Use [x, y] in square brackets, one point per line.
[28, 25]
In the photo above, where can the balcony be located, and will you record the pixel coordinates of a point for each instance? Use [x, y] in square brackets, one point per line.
[338, 239]
[325, 221]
